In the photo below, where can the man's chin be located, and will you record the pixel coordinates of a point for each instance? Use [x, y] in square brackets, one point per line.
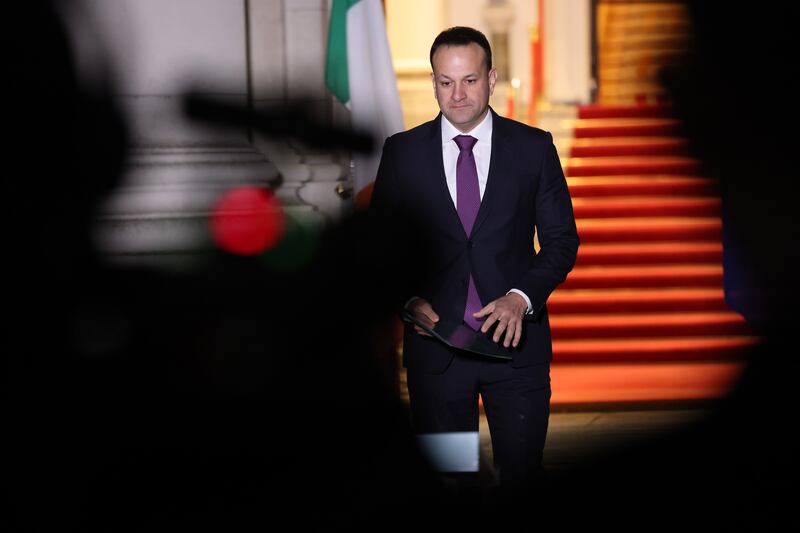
[460, 119]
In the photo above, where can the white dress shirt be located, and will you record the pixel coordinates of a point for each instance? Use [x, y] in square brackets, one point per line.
[482, 151]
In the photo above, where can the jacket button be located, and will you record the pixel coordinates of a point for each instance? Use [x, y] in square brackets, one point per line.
[470, 245]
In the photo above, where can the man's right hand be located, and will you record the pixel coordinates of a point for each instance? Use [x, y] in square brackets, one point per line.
[422, 307]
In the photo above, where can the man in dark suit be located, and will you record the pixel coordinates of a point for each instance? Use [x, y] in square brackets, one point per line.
[480, 186]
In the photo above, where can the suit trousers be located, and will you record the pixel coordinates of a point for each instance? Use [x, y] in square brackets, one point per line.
[516, 401]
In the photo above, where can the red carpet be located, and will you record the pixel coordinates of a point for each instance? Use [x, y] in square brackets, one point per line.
[644, 276]
[626, 127]
[649, 253]
[677, 300]
[629, 146]
[647, 325]
[591, 384]
[612, 166]
[622, 185]
[649, 230]
[646, 206]
[642, 317]
[624, 111]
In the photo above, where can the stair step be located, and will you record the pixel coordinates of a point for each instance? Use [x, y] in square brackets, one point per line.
[624, 111]
[633, 10]
[610, 166]
[664, 22]
[644, 70]
[592, 230]
[644, 276]
[653, 349]
[634, 92]
[628, 146]
[565, 301]
[646, 206]
[649, 127]
[592, 186]
[625, 58]
[643, 42]
[682, 324]
[614, 383]
[649, 253]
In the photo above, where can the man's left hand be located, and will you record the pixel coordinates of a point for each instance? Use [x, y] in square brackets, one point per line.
[507, 311]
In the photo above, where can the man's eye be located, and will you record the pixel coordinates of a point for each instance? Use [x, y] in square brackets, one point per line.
[444, 83]
[471, 81]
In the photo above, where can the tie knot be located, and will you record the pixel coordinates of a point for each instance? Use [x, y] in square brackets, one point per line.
[465, 142]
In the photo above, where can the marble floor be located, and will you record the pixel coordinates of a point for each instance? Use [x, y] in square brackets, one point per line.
[574, 437]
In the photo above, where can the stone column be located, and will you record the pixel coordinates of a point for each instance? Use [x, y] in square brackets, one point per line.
[288, 43]
[177, 168]
[568, 51]
[498, 16]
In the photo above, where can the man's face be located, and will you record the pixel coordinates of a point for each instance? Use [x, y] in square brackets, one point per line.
[461, 84]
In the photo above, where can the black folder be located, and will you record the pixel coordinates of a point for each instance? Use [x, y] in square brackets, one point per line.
[458, 335]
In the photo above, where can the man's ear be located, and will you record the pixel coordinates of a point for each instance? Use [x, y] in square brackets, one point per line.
[492, 80]
[433, 82]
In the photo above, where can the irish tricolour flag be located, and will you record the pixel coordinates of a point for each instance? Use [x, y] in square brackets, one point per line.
[359, 73]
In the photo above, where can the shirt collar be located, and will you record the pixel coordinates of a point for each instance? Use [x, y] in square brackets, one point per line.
[482, 132]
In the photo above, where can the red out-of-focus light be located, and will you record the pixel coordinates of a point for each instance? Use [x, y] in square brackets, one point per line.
[247, 221]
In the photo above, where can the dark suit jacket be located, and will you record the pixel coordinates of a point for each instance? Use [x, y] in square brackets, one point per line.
[525, 191]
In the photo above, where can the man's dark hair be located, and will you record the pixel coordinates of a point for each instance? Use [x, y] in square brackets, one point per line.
[462, 36]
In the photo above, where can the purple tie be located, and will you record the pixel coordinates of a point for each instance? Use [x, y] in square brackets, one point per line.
[468, 200]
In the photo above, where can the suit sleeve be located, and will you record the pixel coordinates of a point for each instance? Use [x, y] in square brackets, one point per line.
[409, 251]
[556, 231]
[394, 229]
[385, 193]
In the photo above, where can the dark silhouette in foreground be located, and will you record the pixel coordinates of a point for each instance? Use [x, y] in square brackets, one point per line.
[225, 398]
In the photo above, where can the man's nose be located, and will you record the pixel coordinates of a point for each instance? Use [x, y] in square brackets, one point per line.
[459, 93]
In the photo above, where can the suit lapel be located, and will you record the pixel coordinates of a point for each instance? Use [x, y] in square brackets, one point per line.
[439, 180]
[499, 166]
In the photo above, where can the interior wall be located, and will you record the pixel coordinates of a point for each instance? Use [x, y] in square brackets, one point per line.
[413, 24]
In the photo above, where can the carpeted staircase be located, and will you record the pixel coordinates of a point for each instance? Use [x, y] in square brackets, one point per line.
[635, 40]
[642, 316]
